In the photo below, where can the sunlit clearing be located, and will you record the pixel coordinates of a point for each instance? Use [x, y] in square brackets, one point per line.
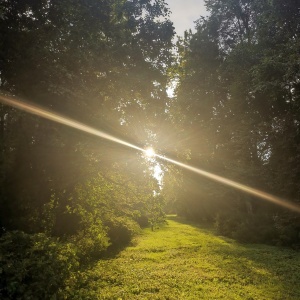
[149, 152]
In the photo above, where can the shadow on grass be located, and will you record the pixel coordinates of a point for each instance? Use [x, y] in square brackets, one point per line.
[113, 251]
[264, 264]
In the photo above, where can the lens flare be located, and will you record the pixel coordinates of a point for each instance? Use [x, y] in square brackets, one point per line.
[236, 185]
[41, 112]
[33, 109]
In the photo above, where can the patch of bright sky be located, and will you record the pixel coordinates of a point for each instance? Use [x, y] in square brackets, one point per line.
[184, 13]
[158, 173]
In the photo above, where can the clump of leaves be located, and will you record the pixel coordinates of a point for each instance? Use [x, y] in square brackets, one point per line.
[121, 229]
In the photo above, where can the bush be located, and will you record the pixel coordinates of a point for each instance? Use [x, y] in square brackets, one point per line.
[288, 235]
[34, 266]
[226, 223]
[121, 230]
[247, 228]
[91, 241]
[142, 220]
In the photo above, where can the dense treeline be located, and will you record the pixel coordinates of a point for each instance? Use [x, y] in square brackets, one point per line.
[237, 113]
[65, 196]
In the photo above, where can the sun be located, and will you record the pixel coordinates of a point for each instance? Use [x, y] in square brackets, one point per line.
[149, 152]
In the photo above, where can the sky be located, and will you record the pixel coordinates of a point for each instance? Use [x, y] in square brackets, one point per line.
[184, 13]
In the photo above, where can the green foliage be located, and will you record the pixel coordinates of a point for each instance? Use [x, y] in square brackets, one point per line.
[104, 211]
[155, 208]
[103, 64]
[288, 228]
[228, 223]
[91, 241]
[99, 62]
[247, 228]
[106, 202]
[236, 114]
[34, 266]
[258, 228]
[121, 230]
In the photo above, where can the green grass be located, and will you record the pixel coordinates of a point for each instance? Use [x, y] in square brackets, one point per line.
[182, 261]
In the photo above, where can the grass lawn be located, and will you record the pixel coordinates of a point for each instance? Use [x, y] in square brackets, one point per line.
[182, 261]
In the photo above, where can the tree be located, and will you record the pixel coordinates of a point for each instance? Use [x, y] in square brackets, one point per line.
[237, 99]
[99, 62]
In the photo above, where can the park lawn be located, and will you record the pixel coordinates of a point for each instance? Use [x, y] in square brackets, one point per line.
[183, 261]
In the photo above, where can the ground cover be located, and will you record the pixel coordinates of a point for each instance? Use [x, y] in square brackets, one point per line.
[183, 261]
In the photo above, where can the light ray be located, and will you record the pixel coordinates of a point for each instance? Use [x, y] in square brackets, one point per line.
[33, 109]
[236, 185]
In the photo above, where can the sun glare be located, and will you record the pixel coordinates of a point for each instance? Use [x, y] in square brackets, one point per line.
[149, 152]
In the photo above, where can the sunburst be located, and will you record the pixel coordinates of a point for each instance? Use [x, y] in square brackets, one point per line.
[149, 152]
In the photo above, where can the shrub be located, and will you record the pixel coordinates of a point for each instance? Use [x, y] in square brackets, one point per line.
[91, 241]
[34, 266]
[142, 220]
[226, 223]
[121, 230]
[288, 235]
[246, 228]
